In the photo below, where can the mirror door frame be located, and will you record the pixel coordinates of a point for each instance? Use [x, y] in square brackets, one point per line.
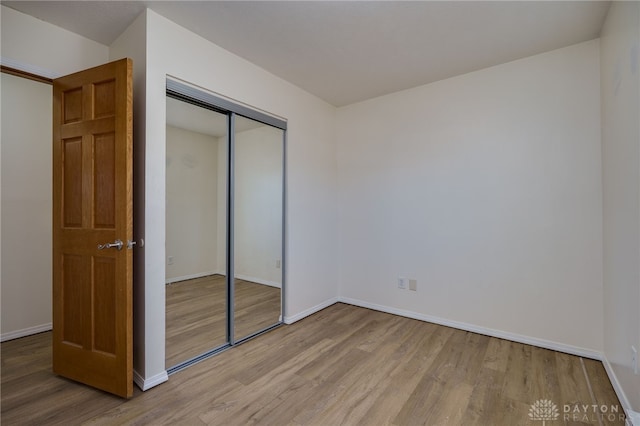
[184, 92]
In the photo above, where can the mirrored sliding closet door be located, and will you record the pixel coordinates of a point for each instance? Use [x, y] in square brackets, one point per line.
[257, 224]
[196, 231]
[224, 224]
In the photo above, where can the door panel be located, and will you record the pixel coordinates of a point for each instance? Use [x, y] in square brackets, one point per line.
[196, 231]
[257, 226]
[104, 180]
[72, 182]
[92, 206]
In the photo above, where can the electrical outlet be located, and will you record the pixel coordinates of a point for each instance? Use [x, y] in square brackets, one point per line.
[413, 285]
[402, 283]
[634, 359]
[278, 264]
[169, 260]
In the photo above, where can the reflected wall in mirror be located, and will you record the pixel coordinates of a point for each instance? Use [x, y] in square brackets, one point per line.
[196, 217]
[257, 222]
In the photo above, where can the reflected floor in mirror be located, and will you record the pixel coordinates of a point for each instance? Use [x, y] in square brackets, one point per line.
[196, 312]
[257, 307]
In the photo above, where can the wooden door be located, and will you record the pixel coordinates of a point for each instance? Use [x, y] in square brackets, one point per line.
[92, 206]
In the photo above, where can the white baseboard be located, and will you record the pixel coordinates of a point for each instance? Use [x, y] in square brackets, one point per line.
[547, 344]
[206, 274]
[25, 332]
[146, 384]
[310, 311]
[259, 281]
[633, 417]
[189, 277]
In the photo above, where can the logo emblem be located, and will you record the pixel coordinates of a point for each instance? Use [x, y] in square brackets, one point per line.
[545, 410]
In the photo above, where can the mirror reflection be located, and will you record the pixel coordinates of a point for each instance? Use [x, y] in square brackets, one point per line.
[258, 195]
[205, 311]
[196, 209]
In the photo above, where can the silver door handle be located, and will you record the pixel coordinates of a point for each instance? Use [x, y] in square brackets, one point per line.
[116, 244]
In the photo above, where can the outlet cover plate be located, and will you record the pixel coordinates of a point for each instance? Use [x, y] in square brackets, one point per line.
[413, 285]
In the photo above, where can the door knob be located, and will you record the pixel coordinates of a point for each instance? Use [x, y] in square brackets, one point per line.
[116, 244]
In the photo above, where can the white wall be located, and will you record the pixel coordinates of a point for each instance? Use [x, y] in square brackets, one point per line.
[44, 49]
[192, 205]
[620, 84]
[196, 212]
[132, 43]
[38, 47]
[258, 205]
[26, 206]
[486, 189]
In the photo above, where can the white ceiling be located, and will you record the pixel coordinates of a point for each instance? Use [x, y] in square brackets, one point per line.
[196, 119]
[345, 52]
[201, 120]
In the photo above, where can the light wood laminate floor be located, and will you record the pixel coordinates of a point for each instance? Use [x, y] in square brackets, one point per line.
[196, 314]
[341, 366]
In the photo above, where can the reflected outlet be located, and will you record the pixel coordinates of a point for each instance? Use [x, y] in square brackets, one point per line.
[402, 283]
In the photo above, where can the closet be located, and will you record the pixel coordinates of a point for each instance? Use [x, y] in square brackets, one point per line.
[225, 193]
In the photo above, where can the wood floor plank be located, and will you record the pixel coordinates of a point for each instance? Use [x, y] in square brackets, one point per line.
[451, 407]
[374, 339]
[497, 355]
[442, 396]
[484, 402]
[342, 366]
[329, 389]
[542, 376]
[280, 381]
[359, 395]
[287, 405]
[512, 412]
[572, 384]
[519, 383]
[318, 370]
[609, 410]
[423, 401]
[403, 383]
